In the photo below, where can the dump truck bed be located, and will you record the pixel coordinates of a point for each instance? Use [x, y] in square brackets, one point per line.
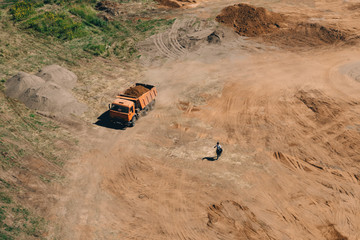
[140, 98]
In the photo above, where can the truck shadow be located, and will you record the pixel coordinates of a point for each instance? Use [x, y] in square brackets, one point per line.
[104, 121]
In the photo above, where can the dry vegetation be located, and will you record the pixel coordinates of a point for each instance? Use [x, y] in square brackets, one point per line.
[33, 150]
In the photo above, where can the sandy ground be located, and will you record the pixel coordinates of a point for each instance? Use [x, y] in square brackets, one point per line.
[289, 123]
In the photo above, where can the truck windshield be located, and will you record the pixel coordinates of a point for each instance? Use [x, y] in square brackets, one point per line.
[120, 108]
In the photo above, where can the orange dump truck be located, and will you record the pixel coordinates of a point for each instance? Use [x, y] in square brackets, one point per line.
[135, 101]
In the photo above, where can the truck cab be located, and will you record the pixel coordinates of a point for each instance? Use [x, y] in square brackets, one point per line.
[132, 103]
[122, 110]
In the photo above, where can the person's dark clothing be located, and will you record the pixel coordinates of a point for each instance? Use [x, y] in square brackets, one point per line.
[219, 150]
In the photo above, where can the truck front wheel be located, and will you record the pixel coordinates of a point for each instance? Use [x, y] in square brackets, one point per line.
[132, 122]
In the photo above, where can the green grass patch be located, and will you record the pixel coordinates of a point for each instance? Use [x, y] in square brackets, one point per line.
[77, 23]
[68, 2]
[5, 183]
[4, 236]
[88, 16]
[17, 222]
[59, 25]
[7, 160]
[147, 25]
[95, 49]
[5, 198]
[2, 81]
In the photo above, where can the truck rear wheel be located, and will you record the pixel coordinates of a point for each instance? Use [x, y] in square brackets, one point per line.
[152, 105]
[145, 111]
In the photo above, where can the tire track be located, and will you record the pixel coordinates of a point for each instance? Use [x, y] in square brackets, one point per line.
[161, 47]
[173, 34]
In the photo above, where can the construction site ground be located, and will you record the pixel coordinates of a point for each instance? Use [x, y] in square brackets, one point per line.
[285, 109]
[287, 118]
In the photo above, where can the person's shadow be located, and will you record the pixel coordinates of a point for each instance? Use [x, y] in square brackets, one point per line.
[104, 121]
[209, 158]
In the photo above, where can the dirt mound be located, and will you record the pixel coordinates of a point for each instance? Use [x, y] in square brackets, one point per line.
[59, 75]
[19, 83]
[136, 91]
[43, 92]
[110, 7]
[322, 33]
[176, 3]
[52, 98]
[307, 34]
[277, 28]
[250, 21]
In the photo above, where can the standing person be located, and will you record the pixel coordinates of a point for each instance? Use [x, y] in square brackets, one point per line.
[218, 150]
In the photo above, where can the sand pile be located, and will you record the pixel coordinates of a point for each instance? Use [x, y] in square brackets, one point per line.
[21, 82]
[176, 3]
[308, 34]
[53, 98]
[136, 91]
[48, 93]
[58, 75]
[276, 28]
[250, 21]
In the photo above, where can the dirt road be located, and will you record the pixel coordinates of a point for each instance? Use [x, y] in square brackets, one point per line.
[289, 122]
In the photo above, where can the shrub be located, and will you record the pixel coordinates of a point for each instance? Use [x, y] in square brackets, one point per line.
[95, 49]
[58, 25]
[21, 10]
[88, 15]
